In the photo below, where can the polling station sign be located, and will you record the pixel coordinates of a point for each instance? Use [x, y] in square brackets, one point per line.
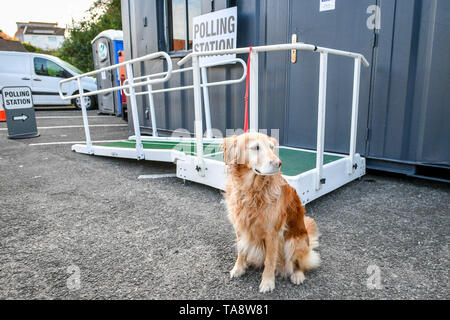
[20, 117]
[215, 31]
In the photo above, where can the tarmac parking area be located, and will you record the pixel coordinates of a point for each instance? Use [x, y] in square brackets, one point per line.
[76, 226]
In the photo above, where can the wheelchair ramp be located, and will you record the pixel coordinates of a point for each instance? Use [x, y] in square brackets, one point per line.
[200, 159]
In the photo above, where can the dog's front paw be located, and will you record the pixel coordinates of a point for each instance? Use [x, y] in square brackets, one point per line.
[237, 271]
[267, 285]
[298, 277]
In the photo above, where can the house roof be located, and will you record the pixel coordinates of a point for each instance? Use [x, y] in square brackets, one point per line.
[4, 36]
[45, 31]
[39, 28]
[35, 23]
[10, 45]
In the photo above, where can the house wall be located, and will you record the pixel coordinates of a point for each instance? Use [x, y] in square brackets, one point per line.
[43, 41]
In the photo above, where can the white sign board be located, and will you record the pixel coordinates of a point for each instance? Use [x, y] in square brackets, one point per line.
[215, 31]
[17, 98]
[20, 117]
[327, 5]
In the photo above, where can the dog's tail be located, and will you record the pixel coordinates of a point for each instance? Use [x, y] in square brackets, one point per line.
[311, 260]
[313, 232]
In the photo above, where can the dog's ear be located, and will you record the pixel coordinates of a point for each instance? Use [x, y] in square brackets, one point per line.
[274, 141]
[230, 150]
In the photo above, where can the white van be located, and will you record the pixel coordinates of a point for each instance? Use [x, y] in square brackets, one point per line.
[42, 74]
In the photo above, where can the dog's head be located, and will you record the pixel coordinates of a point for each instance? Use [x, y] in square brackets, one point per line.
[256, 151]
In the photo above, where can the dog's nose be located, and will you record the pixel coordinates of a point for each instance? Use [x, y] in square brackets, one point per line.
[276, 163]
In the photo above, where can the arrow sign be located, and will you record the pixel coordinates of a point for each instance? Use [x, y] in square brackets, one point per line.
[23, 117]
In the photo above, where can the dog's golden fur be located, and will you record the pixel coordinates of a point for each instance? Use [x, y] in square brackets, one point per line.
[266, 213]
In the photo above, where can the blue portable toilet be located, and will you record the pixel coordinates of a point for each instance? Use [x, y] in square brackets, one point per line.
[105, 48]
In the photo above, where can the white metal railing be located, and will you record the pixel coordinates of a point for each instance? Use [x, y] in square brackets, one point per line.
[205, 85]
[131, 86]
[324, 52]
[200, 81]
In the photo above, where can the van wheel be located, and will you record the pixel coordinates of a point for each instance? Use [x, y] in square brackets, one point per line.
[89, 102]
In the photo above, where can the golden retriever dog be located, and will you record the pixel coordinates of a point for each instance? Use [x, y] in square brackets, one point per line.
[266, 212]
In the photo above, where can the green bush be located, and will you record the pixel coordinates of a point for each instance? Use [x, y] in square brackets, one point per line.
[77, 49]
[30, 48]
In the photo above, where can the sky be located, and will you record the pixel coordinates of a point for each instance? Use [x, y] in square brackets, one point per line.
[61, 11]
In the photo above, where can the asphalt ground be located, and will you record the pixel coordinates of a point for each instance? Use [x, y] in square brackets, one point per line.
[74, 226]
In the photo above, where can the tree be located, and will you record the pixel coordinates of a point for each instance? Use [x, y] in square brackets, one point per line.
[77, 50]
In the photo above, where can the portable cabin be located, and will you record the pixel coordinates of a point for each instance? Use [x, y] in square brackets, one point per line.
[107, 47]
[404, 97]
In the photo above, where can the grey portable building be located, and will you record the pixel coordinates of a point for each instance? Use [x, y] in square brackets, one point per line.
[404, 98]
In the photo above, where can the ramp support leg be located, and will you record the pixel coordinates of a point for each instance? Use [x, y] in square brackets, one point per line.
[85, 118]
[355, 105]
[321, 118]
[206, 101]
[152, 110]
[134, 112]
[198, 115]
[253, 112]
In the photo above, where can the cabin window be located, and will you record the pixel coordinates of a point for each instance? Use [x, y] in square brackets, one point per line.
[180, 15]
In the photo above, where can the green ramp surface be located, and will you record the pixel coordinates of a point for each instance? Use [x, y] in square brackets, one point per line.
[295, 161]
[187, 147]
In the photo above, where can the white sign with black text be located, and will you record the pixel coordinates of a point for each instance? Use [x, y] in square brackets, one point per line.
[215, 31]
[17, 98]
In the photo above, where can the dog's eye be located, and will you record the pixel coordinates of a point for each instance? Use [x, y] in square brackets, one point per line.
[255, 147]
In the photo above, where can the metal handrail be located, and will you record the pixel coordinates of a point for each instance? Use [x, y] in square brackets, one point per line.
[131, 85]
[358, 59]
[116, 66]
[276, 47]
[208, 84]
[205, 85]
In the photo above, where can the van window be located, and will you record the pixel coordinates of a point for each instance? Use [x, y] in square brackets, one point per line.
[45, 67]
